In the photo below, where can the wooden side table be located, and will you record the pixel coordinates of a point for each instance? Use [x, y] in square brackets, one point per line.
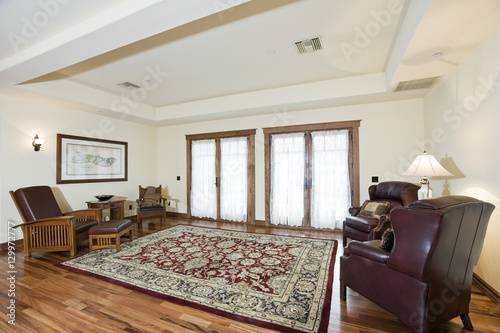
[116, 208]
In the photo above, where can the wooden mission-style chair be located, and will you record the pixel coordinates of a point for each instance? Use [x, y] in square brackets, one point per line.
[151, 204]
[45, 227]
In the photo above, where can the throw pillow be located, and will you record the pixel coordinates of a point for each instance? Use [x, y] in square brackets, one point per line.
[387, 241]
[151, 200]
[374, 209]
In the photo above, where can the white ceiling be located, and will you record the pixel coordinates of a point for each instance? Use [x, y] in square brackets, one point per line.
[209, 59]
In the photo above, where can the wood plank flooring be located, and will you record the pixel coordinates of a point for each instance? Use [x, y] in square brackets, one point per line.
[50, 299]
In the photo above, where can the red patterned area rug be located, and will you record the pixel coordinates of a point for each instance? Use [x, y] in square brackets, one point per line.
[278, 282]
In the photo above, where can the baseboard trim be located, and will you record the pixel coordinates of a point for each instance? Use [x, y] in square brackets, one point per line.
[177, 215]
[262, 223]
[486, 289]
[5, 246]
[167, 214]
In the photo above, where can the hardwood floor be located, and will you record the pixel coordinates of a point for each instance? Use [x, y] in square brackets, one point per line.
[50, 299]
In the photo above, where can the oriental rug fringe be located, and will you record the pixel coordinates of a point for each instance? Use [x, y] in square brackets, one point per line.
[278, 282]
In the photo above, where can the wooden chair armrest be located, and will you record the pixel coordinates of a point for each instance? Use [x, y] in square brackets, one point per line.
[58, 220]
[87, 211]
[86, 214]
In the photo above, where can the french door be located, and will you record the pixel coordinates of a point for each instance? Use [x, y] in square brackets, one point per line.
[221, 176]
[311, 178]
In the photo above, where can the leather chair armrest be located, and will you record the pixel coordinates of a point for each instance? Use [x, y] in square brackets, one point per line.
[370, 250]
[354, 210]
[383, 224]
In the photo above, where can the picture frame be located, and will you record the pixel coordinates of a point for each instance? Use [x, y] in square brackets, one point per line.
[88, 160]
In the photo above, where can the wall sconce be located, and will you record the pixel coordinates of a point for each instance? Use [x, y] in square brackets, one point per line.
[37, 143]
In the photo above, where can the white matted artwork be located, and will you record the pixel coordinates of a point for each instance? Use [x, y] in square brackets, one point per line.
[86, 160]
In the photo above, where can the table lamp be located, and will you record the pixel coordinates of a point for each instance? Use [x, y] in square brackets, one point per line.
[426, 165]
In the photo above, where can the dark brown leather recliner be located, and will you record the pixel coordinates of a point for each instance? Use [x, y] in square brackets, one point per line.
[426, 278]
[365, 228]
[45, 227]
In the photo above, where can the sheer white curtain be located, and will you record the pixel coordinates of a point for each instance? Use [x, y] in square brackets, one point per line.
[233, 184]
[287, 178]
[203, 190]
[331, 191]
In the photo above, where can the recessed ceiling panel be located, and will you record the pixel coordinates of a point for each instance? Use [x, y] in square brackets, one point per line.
[227, 53]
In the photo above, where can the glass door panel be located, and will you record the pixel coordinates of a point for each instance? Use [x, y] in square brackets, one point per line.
[203, 179]
[234, 179]
[287, 179]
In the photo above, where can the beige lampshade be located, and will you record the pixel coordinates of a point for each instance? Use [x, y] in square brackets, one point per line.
[426, 165]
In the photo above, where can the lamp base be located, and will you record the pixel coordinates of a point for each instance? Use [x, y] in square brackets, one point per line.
[425, 192]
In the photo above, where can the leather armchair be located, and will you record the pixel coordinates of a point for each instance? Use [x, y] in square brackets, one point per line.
[45, 227]
[426, 278]
[366, 228]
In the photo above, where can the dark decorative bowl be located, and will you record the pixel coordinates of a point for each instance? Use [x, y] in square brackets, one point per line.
[104, 197]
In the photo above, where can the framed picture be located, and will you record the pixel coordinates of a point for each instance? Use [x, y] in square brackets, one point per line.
[88, 160]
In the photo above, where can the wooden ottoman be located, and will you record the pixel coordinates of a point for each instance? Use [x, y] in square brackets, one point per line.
[106, 235]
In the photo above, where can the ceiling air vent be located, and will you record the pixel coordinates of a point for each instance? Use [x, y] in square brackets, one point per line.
[128, 85]
[416, 84]
[309, 45]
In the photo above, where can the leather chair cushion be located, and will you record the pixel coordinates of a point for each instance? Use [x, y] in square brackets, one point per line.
[37, 202]
[110, 227]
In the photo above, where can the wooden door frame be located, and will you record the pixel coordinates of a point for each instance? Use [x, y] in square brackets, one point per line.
[353, 128]
[250, 135]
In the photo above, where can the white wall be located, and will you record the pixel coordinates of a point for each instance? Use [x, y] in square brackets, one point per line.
[387, 135]
[21, 166]
[464, 109]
